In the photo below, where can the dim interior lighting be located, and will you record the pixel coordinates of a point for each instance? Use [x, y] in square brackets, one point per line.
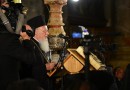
[17, 1]
[75, 0]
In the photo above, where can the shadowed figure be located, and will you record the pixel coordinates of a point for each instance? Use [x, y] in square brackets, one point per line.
[98, 80]
[119, 74]
[126, 80]
[26, 84]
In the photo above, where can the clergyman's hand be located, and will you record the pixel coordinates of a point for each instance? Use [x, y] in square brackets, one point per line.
[50, 66]
[24, 36]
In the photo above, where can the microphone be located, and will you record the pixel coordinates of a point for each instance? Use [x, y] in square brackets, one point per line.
[30, 33]
[63, 36]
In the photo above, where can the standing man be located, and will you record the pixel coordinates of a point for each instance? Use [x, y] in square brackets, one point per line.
[12, 52]
[39, 69]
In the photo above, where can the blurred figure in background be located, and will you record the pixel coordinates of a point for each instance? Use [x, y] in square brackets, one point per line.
[119, 74]
[126, 80]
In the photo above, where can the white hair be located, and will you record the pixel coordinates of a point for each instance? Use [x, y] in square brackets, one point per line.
[44, 44]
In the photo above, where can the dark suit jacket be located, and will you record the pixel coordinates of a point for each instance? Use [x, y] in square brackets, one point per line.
[11, 54]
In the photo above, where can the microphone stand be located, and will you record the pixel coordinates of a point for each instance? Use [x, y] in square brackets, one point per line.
[86, 45]
[62, 55]
[89, 42]
[100, 50]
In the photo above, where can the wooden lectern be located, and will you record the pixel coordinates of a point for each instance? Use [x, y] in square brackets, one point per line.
[74, 62]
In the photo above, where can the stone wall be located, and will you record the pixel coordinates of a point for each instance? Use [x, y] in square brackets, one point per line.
[121, 56]
[35, 7]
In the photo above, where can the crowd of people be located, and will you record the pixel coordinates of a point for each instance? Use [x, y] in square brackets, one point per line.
[23, 63]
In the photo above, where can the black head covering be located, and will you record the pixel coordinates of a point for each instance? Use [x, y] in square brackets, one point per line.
[36, 22]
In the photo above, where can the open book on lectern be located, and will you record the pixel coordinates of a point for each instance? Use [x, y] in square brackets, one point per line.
[94, 61]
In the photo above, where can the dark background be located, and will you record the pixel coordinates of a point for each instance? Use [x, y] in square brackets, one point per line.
[116, 13]
[90, 13]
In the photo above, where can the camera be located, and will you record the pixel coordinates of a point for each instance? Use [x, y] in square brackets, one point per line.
[15, 6]
[80, 33]
[12, 12]
[76, 35]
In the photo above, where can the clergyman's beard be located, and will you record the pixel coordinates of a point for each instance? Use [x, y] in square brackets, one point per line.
[44, 44]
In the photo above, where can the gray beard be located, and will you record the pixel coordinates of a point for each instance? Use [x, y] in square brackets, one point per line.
[44, 44]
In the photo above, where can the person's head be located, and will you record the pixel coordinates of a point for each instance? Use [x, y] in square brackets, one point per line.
[119, 73]
[40, 29]
[1, 1]
[41, 33]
